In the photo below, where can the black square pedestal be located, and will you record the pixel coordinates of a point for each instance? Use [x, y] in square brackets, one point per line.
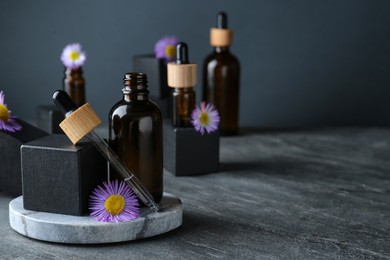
[10, 173]
[58, 177]
[187, 152]
[49, 118]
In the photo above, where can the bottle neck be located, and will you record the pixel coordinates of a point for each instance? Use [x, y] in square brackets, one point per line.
[221, 49]
[77, 72]
[136, 87]
[135, 96]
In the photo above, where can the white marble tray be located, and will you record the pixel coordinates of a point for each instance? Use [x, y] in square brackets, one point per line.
[85, 230]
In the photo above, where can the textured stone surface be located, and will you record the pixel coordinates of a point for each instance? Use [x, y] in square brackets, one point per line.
[85, 230]
[187, 152]
[302, 194]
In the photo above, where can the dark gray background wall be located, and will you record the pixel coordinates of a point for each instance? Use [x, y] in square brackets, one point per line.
[304, 63]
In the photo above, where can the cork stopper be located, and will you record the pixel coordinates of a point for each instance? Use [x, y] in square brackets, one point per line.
[80, 122]
[221, 36]
[182, 74]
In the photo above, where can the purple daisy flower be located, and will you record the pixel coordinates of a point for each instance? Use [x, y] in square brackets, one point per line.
[72, 56]
[205, 118]
[7, 122]
[165, 48]
[115, 202]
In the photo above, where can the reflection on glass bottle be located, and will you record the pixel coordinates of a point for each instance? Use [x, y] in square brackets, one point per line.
[221, 77]
[74, 85]
[182, 78]
[135, 133]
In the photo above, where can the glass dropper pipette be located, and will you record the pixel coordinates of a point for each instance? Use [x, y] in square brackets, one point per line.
[79, 123]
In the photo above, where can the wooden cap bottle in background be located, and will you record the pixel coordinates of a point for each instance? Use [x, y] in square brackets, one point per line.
[221, 36]
[182, 74]
[182, 79]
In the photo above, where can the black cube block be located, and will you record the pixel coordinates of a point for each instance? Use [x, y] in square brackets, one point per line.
[187, 152]
[156, 70]
[58, 177]
[48, 119]
[10, 143]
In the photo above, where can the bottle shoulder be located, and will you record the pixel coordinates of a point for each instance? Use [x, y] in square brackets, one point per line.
[221, 58]
[142, 108]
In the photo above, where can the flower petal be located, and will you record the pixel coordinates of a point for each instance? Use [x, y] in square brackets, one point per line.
[2, 97]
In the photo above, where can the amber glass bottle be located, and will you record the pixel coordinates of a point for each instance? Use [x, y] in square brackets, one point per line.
[74, 85]
[183, 100]
[182, 78]
[221, 77]
[135, 133]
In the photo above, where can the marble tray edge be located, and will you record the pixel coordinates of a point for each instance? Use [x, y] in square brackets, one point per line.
[68, 229]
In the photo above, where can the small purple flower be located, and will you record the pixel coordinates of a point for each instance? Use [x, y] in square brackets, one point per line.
[115, 202]
[165, 48]
[72, 56]
[7, 122]
[205, 118]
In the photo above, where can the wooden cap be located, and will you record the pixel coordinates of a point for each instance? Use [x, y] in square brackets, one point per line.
[80, 122]
[221, 37]
[182, 75]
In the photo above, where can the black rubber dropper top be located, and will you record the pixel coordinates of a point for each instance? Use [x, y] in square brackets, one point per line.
[222, 21]
[182, 53]
[64, 102]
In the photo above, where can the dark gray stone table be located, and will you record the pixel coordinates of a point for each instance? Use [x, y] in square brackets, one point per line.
[301, 194]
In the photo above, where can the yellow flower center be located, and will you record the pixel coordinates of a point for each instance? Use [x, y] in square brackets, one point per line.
[74, 55]
[4, 113]
[170, 51]
[204, 118]
[114, 204]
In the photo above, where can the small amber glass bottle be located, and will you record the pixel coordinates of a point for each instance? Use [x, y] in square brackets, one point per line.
[182, 78]
[74, 85]
[135, 133]
[221, 77]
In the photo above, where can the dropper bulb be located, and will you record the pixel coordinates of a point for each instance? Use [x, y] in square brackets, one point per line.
[64, 102]
[182, 53]
[222, 21]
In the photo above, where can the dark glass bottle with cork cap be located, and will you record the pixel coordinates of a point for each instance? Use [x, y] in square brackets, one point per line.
[182, 79]
[221, 77]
